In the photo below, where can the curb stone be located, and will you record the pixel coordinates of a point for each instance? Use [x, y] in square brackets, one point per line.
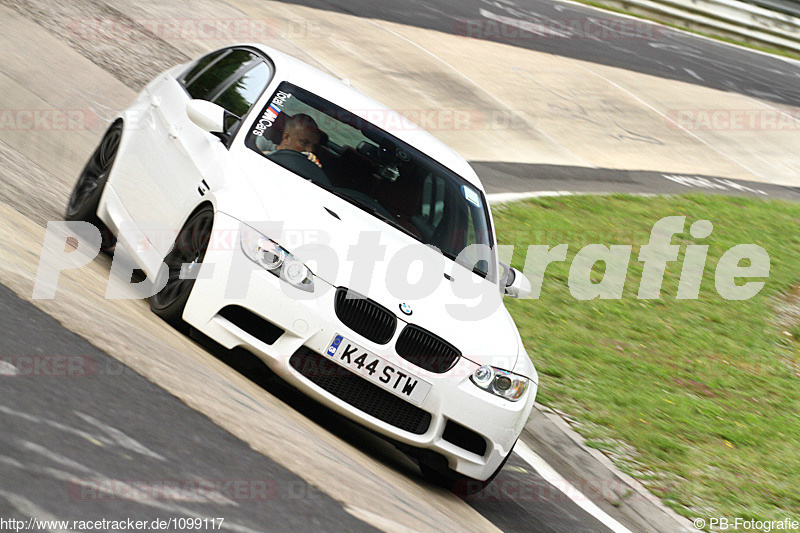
[550, 436]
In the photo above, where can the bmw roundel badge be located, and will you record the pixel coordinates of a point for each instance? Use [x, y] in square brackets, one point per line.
[406, 309]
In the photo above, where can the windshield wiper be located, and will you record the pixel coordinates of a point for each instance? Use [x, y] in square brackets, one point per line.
[373, 211]
[389, 220]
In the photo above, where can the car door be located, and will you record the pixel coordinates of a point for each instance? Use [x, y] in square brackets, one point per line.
[186, 160]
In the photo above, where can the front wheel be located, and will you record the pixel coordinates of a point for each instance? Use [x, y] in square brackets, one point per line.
[182, 262]
[86, 194]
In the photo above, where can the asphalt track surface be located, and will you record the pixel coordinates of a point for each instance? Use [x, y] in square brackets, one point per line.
[503, 178]
[654, 50]
[63, 433]
[629, 44]
[87, 438]
[79, 448]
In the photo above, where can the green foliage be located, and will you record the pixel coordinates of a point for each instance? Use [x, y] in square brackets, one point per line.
[704, 394]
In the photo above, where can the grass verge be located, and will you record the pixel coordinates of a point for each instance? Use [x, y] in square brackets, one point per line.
[698, 399]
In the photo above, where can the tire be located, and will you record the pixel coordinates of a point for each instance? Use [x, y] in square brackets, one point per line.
[85, 197]
[461, 485]
[190, 247]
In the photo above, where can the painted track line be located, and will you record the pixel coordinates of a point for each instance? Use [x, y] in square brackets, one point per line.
[557, 480]
[505, 197]
[665, 117]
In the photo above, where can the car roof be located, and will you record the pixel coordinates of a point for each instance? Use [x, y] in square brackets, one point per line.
[341, 93]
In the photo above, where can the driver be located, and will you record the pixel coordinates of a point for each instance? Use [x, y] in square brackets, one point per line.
[301, 134]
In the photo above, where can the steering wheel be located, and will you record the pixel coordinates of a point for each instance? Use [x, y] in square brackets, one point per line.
[299, 163]
[367, 200]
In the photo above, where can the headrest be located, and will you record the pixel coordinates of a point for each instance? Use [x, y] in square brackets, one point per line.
[275, 132]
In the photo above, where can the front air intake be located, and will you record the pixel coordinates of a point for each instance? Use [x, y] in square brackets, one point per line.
[464, 438]
[251, 323]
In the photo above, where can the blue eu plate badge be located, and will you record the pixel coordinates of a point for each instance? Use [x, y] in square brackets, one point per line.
[337, 340]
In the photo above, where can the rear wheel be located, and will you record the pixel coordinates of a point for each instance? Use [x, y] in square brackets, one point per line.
[190, 250]
[86, 194]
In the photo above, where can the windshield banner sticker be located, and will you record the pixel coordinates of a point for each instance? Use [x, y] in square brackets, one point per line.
[271, 113]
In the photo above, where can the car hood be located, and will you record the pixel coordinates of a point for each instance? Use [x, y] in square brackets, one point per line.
[301, 216]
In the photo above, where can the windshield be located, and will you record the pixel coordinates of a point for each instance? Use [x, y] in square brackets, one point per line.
[375, 171]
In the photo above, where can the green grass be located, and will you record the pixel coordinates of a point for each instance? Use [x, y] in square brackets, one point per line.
[739, 42]
[698, 399]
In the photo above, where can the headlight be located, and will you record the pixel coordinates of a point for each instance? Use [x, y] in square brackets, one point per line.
[500, 382]
[275, 259]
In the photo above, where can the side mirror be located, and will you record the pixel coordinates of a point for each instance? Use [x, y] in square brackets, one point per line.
[515, 284]
[209, 117]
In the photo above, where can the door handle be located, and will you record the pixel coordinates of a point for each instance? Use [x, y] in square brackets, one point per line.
[173, 131]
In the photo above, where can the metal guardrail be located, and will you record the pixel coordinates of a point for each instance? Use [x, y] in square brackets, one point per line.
[734, 19]
[787, 7]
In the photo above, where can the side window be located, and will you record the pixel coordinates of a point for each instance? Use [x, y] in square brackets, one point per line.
[244, 91]
[206, 85]
[200, 66]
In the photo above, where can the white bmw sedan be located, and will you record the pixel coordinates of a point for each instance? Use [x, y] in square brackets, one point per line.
[284, 212]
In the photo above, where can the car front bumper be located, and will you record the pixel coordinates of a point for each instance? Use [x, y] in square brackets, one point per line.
[309, 322]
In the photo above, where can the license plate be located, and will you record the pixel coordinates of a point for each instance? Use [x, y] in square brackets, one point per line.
[378, 370]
